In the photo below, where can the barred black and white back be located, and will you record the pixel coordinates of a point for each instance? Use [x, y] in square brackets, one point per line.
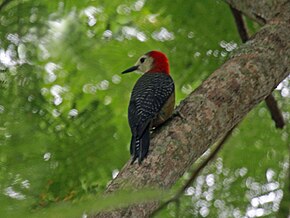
[149, 95]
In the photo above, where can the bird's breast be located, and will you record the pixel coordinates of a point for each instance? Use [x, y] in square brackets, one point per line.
[165, 112]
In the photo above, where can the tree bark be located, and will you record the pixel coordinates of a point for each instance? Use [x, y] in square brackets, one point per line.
[262, 11]
[218, 104]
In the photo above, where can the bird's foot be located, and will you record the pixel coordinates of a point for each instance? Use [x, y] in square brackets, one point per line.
[177, 113]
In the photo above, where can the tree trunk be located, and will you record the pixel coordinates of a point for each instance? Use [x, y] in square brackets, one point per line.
[218, 104]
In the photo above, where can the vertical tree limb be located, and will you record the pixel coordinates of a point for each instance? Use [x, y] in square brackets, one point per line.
[275, 111]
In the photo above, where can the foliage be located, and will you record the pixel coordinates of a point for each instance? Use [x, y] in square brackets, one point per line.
[63, 105]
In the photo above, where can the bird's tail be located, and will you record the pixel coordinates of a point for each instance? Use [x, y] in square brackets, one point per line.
[140, 146]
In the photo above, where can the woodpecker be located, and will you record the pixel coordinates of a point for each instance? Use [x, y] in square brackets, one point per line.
[152, 101]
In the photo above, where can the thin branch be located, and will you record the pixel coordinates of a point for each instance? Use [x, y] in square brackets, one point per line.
[275, 112]
[270, 100]
[177, 196]
[240, 24]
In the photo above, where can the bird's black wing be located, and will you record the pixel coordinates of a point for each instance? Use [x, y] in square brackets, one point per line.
[149, 94]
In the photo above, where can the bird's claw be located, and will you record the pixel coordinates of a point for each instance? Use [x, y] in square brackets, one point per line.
[177, 113]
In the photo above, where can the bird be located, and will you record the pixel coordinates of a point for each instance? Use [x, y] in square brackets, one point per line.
[152, 101]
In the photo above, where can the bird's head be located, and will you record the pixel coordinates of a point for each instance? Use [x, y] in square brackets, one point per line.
[151, 62]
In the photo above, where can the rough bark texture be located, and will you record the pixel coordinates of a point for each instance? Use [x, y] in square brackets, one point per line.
[261, 11]
[271, 102]
[221, 102]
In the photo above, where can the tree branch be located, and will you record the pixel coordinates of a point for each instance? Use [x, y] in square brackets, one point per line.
[195, 174]
[220, 103]
[275, 111]
[270, 100]
[261, 11]
[240, 24]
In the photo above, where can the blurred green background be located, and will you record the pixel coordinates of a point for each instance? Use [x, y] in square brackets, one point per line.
[63, 107]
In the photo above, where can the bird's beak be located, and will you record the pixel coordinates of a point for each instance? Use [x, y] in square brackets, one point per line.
[130, 69]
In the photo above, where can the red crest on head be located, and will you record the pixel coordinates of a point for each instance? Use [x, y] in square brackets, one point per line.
[160, 63]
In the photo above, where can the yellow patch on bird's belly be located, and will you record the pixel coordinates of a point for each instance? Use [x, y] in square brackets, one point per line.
[166, 111]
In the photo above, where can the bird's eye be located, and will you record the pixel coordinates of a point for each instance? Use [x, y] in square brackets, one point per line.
[142, 60]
